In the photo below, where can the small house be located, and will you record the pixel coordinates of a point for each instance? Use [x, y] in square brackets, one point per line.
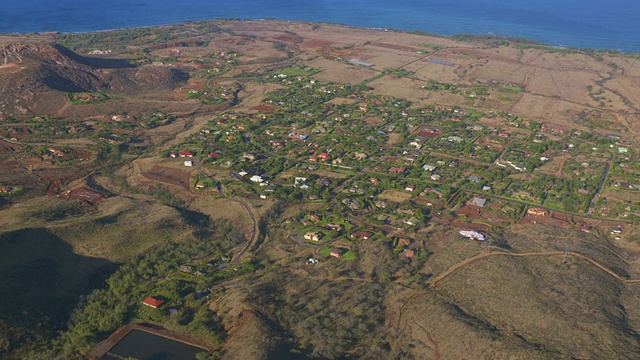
[313, 236]
[323, 156]
[404, 242]
[188, 163]
[336, 252]
[323, 182]
[153, 302]
[186, 153]
[412, 221]
[186, 269]
[479, 201]
[248, 156]
[534, 211]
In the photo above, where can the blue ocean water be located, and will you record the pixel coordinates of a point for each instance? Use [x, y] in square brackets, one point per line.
[611, 24]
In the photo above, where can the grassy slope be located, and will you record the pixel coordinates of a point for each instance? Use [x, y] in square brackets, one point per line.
[68, 248]
[496, 308]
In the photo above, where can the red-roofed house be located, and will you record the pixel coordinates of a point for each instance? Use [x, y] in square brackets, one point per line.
[214, 155]
[398, 170]
[186, 153]
[153, 302]
[323, 156]
[409, 253]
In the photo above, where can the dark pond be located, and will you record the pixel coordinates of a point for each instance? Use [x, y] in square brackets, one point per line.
[146, 346]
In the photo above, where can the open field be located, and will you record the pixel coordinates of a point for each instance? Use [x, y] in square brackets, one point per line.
[340, 72]
[168, 176]
[395, 196]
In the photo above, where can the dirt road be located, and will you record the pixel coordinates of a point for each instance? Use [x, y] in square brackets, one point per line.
[435, 281]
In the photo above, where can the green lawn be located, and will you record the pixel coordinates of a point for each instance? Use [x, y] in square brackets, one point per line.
[325, 251]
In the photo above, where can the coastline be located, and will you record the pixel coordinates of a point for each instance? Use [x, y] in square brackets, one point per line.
[467, 37]
[588, 27]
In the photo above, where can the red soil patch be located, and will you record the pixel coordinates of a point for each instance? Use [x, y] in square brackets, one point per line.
[470, 226]
[471, 211]
[168, 176]
[315, 43]
[264, 108]
[393, 46]
[287, 38]
[84, 194]
[7, 146]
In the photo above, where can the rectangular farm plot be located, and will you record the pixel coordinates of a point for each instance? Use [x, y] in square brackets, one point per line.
[498, 76]
[386, 58]
[627, 87]
[401, 87]
[426, 70]
[548, 109]
[335, 71]
[395, 196]
[168, 176]
[569, 85]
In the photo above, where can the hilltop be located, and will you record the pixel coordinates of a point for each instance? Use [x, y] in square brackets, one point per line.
[297, 190]
[37, 78]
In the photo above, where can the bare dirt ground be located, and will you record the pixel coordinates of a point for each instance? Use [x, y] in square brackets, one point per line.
[330, 174]
[395, 196]
[168, 176]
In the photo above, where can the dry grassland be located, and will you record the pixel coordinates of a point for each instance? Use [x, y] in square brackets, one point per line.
[430, 71]
[401, 87]
[387, 58]
[330, 174]
[334, 71]
[622, 196]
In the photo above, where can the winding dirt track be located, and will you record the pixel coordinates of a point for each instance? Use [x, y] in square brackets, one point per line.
[452, 270]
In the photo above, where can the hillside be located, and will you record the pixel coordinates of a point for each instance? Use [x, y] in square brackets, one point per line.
[36, 78]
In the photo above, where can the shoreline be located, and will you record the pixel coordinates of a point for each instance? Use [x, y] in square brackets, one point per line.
[457, 36]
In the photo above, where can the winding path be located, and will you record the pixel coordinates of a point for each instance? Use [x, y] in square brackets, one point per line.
[254, 219]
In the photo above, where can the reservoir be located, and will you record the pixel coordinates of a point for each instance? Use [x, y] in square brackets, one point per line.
[147, 346]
